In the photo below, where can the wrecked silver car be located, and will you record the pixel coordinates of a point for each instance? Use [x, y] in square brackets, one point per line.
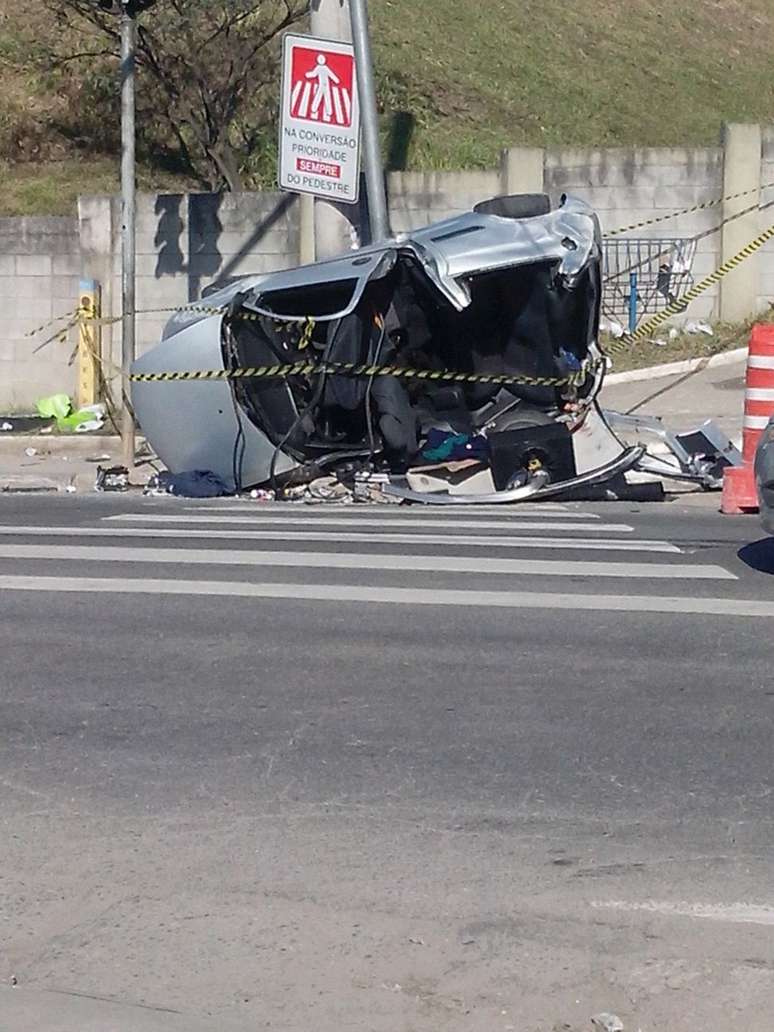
[461, 359]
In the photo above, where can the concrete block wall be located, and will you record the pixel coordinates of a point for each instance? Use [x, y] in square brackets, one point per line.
[420, 198]
[39, 274]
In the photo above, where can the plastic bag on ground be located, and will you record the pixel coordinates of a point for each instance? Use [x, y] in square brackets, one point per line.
[57, 406]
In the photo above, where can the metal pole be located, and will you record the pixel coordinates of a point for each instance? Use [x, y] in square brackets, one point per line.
[372, 153]
[128, 218]
[633, 300]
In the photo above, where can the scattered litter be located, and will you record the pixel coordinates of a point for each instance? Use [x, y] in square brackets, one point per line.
[607, 1022]
[260, 495]
[694, 328]
[417, 942]
[99, 458]
[468, 942]
[57, 407]
[6, 426]
[660, 343]
[294, 492]
[115, 478]
[14, 980]
[47, 430]
[347, 486]
[327, 489]
[84, 420]
[71, 487]
[196, 483]
[30, 452]
[674, 333]
[615, 329]
[369, 487]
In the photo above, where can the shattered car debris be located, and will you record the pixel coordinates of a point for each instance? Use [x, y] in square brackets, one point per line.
[511, 289]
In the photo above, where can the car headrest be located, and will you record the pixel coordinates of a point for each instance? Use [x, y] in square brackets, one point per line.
[515, 206]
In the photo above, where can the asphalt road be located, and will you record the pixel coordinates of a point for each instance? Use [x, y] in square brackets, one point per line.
[384, 769]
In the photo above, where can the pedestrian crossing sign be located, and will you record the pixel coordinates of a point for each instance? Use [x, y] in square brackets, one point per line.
[320, 119]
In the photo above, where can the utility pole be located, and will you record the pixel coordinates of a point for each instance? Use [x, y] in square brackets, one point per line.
[128, 220]
[372, 152]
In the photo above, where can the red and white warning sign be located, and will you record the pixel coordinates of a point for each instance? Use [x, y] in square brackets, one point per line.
[320, 123]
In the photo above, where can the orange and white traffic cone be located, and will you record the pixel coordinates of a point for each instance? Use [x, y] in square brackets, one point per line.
[739, 481]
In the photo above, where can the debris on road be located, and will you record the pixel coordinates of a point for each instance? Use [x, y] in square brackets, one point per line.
[700, 455]
[114, 478]
[6, 426]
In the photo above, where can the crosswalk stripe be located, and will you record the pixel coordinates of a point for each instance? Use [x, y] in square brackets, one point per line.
[368, 521]
[361, 538]
[357, 512]
[327, 561]
[407, 596]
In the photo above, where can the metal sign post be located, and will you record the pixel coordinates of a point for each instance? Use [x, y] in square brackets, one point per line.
[128, 219]
[320, 119]
[374, 169]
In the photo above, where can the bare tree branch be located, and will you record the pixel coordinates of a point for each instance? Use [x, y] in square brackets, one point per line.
[207, 73]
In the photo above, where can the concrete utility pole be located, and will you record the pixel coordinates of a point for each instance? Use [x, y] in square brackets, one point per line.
[372, 151]
[128, 219]
[334, 224]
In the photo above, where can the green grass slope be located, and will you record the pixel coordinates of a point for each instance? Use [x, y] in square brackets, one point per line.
[481, 74]
[459, 81]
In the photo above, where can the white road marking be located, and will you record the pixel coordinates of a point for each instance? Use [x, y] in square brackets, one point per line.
[407, 596]
[733, 913]
[338, 508]
[333, 561]
[362, 538]
[394, 512]
[368, 521]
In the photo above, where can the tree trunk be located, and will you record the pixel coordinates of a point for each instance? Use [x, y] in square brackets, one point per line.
[224, 159]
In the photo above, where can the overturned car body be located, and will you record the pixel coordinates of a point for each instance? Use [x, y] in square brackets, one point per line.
[482, 328]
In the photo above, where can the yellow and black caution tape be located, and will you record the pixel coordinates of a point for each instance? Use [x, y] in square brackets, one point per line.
[73, 314]
[364, 369]
[714, 203]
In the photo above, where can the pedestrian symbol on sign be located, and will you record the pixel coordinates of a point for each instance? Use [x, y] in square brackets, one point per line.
[321, 89]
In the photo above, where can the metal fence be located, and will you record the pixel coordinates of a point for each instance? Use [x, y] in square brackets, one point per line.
[642, 276]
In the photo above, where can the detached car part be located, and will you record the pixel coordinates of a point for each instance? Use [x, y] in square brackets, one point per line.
[699, 455]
